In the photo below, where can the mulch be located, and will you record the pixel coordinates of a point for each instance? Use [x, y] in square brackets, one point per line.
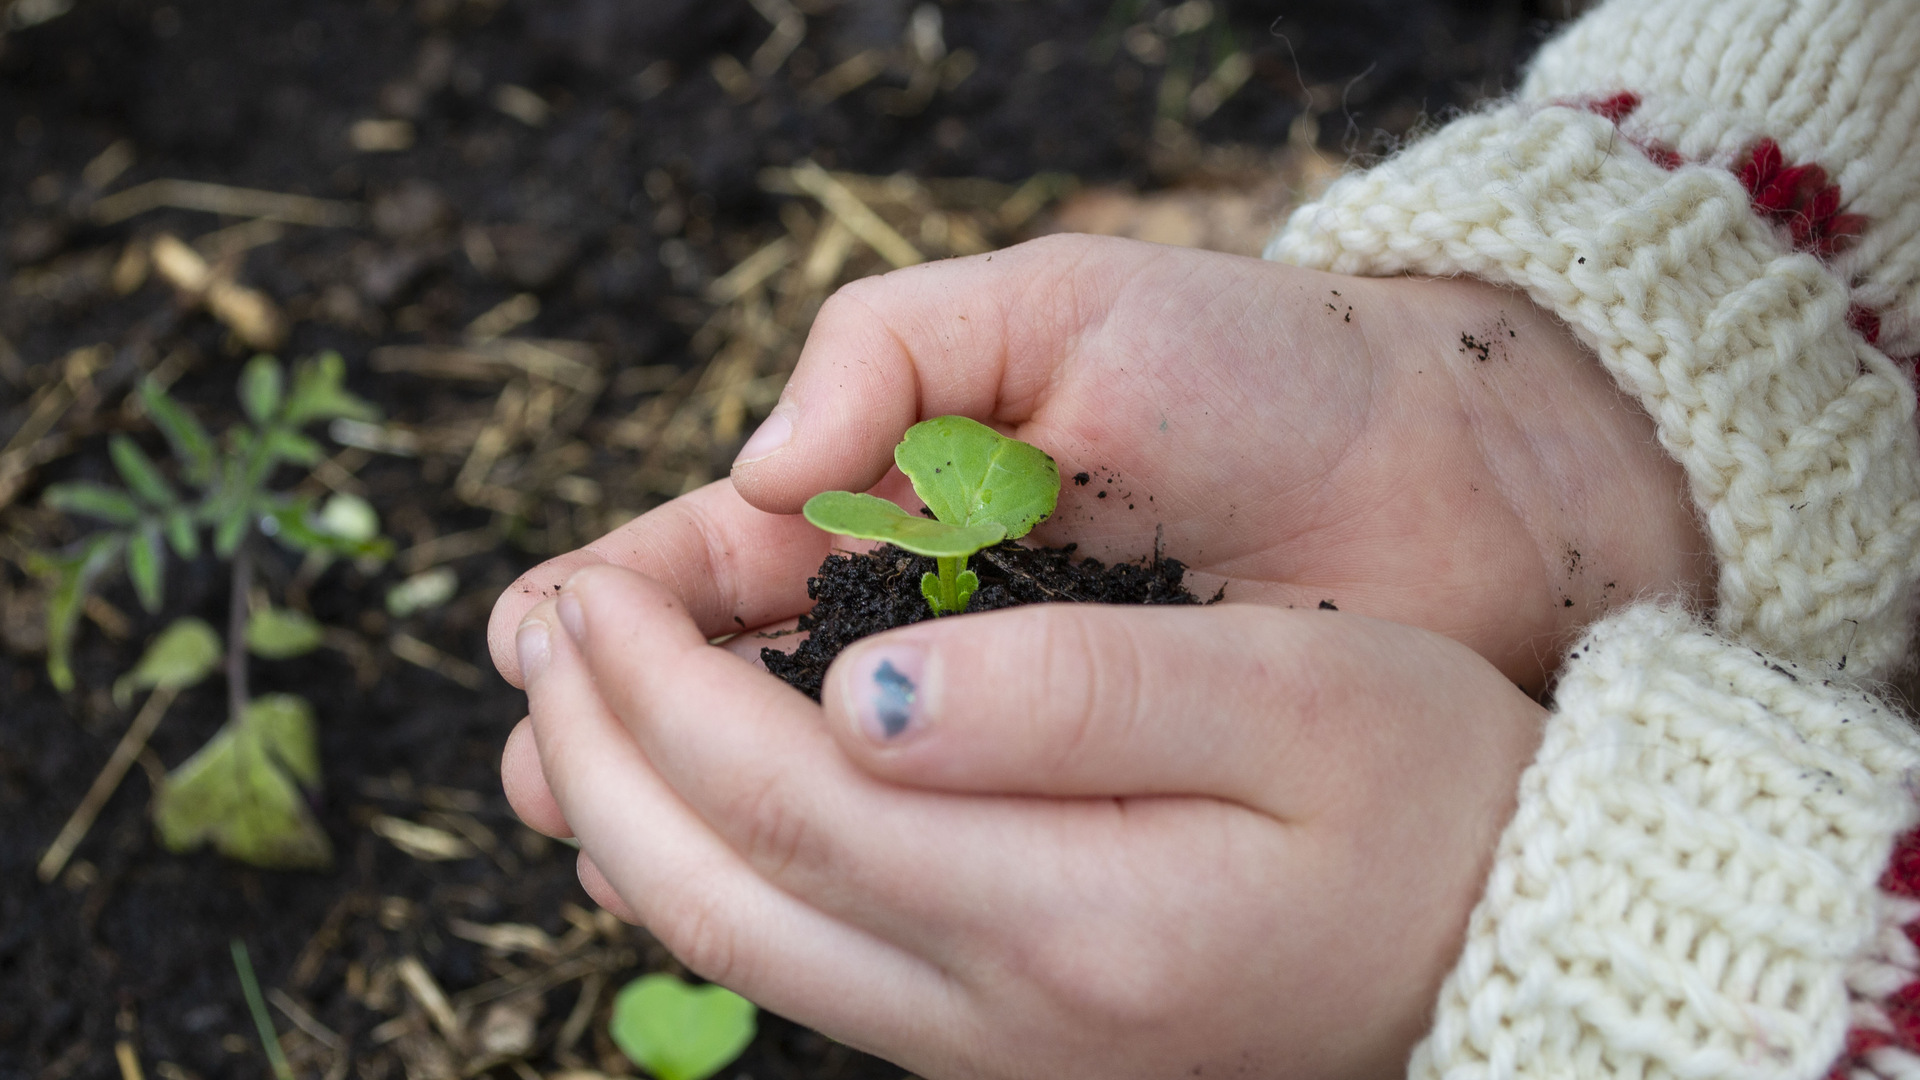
[570, 248]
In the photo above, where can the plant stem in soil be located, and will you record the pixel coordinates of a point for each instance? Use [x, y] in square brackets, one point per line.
[237, 614]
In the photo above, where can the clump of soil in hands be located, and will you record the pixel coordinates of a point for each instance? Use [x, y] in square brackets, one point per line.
[858, 595]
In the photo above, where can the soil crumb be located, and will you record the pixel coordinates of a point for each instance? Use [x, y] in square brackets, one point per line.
[858, 595]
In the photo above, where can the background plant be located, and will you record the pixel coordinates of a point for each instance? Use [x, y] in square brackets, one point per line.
[981, 486]
[245, 790]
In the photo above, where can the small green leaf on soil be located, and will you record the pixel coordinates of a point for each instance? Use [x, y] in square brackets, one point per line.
[279, 633]
[968, 473]
[181, 655]
[350, 517]
[261, 384]
[871, 518]
[680, 1032]
[242, 791]
[423, 591]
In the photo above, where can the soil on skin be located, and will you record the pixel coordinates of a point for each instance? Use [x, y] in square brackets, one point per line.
[856, 595]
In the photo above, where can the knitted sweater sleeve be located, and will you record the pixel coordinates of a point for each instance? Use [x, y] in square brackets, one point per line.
[1710, 872]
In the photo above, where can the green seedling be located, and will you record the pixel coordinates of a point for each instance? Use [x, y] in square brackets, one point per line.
[680, 1032]
[245, 791]
[981, 486]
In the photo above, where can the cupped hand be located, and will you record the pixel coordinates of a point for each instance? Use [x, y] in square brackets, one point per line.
[1069, 841]
[1438, 453]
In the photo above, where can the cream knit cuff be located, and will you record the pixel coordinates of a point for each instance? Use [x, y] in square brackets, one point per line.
[1797, 436]
[1688, 888]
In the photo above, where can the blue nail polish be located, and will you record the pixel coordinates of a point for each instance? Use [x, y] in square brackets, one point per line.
[893, 695]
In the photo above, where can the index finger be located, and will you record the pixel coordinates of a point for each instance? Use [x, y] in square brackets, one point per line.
[733, 566]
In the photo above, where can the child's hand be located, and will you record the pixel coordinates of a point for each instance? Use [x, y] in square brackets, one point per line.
[1439, 453]
[1107, 842]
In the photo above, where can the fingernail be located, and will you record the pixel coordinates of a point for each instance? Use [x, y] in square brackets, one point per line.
[571, 617]
[889, 697]
[531, 645]
[771, 435]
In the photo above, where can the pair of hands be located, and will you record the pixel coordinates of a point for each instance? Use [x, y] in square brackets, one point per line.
[1114, 842]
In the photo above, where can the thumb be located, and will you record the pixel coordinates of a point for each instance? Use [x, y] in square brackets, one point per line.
[978, 337]
[1279, 709]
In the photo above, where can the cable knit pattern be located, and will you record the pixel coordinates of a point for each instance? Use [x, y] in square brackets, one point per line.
[1797, 436]
[1688, 887]
[1831, 82]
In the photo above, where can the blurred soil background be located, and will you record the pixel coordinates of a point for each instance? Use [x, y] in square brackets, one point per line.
[570, 248]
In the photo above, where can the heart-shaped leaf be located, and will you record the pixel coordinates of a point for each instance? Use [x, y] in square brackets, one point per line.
[279, 634]
[180, 656]
[968, 473]
[241, 792]
[872, 518]
[680, 1032]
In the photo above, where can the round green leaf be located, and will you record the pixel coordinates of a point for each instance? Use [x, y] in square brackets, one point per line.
[261, 384]
[871, 518]
[350, 517]
[968, 473]
[277, 633]
[427, 589]
[180, 656]
[680, 1032]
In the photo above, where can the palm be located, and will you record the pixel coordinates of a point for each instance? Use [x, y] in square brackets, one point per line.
[1296, 437]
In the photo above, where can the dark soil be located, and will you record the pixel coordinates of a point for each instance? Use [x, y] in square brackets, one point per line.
[862, 594]
[582, 151]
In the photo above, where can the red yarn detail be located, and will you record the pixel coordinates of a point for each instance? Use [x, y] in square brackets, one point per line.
[1902, 876]
[1799, 197]
[1615, 108]
[1865, 322]
[1662, 155]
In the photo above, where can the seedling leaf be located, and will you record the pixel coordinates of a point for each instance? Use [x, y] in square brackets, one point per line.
[146, 558]
[241, 792]
[350, 518]
[182, 534]
[261, 384]
[73, 575]
[318, 393]
[425, 590]
[280, 634]
[872, 518]
[680, 1032]
[189, 440]
[138, 470]
[94, 500]
[285, 444]
[184, 653]
[968, 473]
[293, 523]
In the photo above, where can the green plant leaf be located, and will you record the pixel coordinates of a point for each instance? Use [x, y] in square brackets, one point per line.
[182, 533]
[190, 442]
[968, 473]
[680, 1032]
[94, 500]
[180, 656]
[231, 527]
[146, 561]
[261, 385]
[285, 444]
[292, 522]
[138, 470]
[319, 393]
[280, 633]
[425, 590]
[241, 792]
[350, 518]
[872, 518]
[73, 575]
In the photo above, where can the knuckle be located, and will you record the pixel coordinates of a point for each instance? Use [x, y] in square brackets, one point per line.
[1092, 684]
[1131, 990]
[696, 930]
[770, 831]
